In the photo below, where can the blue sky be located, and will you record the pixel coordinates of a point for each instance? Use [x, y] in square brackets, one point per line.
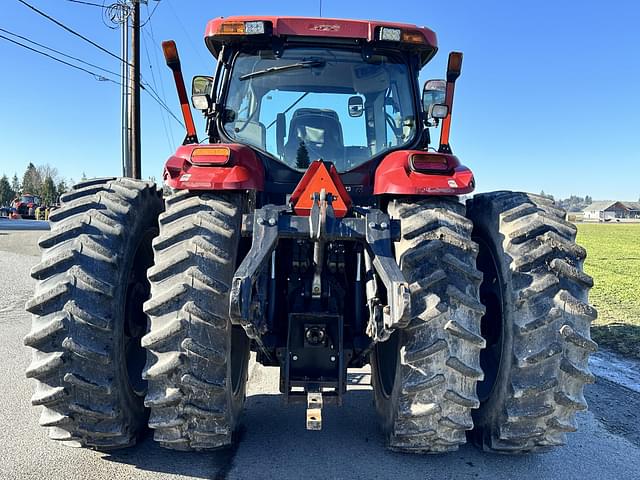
[548, 98]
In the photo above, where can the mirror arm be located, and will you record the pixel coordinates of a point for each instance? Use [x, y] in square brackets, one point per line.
[215, 109]
[215, 106]
[445, 129]
[425, 139]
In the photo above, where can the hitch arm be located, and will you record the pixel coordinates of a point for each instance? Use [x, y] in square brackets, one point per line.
[397, 313]
[264, 242]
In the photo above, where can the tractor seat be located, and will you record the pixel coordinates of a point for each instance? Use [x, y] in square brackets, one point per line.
[321, 132]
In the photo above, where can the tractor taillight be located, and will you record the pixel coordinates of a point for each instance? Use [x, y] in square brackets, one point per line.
[242, 28]
[413, 37]
[210, 155]
[430, 163]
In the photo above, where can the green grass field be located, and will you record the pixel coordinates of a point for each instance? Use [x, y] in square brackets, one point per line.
[613, 260]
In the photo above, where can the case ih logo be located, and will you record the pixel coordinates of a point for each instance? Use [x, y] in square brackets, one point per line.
[325, 28]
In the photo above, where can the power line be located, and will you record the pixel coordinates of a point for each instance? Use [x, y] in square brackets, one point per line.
[157, 62]
[150, 91]
[87, 3]
[153, 80]
[59, 52]
[150, 14]
[163, 96]
[187, 34]
[148, 88]
[70, 30]
[95, 75]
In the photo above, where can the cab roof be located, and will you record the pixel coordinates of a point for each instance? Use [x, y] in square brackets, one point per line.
[327, 28]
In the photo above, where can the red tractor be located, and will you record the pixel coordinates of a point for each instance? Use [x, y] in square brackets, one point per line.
[320, 226]
[25, 205]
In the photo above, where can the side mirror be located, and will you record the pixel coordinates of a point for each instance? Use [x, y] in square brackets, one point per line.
[438, 111]
[201, 90]
[433, 93]
[356, 106]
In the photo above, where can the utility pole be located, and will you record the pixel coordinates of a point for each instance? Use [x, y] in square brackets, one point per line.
[124, 105]
[134, 107]
[126, 13]
[118, 13]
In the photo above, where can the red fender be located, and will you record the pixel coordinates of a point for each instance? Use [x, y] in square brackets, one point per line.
[242, 171]
[395, 175]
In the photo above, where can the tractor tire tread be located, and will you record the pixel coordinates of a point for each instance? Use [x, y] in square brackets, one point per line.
[551, 339]
[440, 349]
[72, 334]
[187, 353]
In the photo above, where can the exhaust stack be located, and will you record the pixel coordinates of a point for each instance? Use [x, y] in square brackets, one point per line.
[454, 67]
[173, 62]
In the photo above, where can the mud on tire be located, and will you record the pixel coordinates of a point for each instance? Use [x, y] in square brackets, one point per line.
[536, 326]
[87, 313]
[197, 361]
[425, 375]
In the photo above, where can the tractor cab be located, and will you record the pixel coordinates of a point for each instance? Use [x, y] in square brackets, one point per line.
[297, 90]
[325, 103]
[338, 90]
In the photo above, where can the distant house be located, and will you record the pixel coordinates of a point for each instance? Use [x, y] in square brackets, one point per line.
[607, 210]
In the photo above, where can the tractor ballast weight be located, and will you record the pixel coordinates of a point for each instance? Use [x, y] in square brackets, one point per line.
[320, 228]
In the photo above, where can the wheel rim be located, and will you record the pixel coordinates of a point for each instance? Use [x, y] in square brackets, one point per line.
[387, 363]
[491, 325]
[135, 321]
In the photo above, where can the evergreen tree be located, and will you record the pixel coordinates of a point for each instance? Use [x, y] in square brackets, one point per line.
[15, 184]
[6, 193]
[48, 191]
[302, 156]
[31, 181]
[60, 189]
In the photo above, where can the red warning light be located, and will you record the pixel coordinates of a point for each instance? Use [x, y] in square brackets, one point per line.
[314, 180]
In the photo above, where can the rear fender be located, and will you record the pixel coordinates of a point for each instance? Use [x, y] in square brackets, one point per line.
[243, 171]
[394, 175]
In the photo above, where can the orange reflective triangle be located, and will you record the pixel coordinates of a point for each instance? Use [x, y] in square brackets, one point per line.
[313, 181]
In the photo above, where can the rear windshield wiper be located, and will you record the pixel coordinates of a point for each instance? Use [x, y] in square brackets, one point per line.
[267, 71]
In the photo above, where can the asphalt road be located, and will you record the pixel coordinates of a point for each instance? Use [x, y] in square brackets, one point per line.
[274, 443]
[20, 224]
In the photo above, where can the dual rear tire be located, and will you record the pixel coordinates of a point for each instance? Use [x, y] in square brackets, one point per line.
[90, 334]
[537, 324]
[499, 344]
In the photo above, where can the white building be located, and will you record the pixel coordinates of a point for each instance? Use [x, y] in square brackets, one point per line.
[608, 210]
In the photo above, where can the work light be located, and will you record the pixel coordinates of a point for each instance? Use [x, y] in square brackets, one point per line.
[390, 34]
